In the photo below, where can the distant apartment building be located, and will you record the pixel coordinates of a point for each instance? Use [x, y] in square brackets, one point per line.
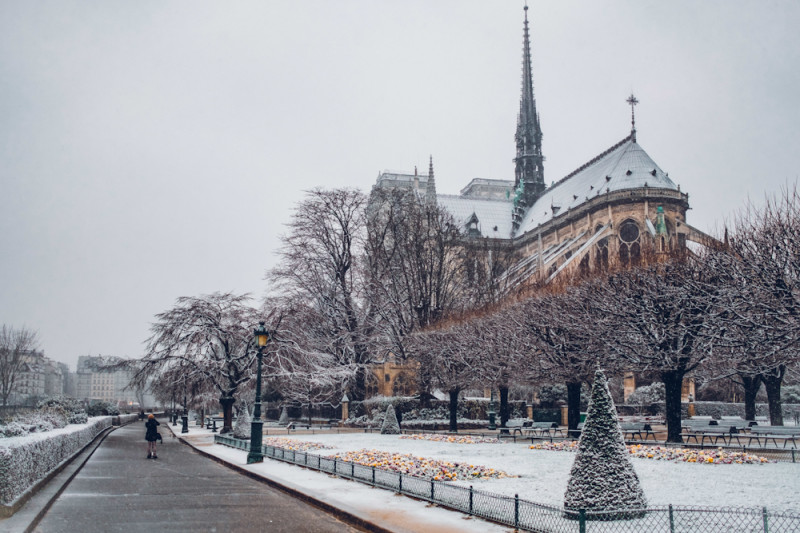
[37, 378]
[93, 384]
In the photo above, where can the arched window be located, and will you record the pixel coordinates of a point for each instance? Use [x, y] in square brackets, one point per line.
[629, 247]
[371, 385]
[402, 385]
[601, 255]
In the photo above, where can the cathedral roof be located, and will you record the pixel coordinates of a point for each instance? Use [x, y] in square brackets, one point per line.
[623, 166]
[494, 216]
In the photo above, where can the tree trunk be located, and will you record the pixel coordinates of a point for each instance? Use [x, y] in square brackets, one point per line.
[751, 384]
[504, 410]
[358, 390]
[573, 407]
[454, 409]
[772, 384]
[227, 414]
[673, 381]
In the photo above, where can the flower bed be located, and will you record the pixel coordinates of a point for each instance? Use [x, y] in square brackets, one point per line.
[662, 453]
[455, 439]
[420, 466]
[27, 459]
[294, 444]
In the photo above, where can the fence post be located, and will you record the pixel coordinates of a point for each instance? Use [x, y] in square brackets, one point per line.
[432, 482]
[516, 511]
[401, 483]
[671, 520]
[373, 476]
[353, 470]
[334, 465]
[582, 520]
[766, 524]
[793, 460]
[470, 500]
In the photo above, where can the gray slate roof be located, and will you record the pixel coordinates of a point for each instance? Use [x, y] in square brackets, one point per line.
[490, 213]
[624, 166]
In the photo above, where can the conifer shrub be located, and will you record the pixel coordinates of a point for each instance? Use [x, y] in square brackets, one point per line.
[390, 425]
[602, 477]
[284, 418]
[241, 429]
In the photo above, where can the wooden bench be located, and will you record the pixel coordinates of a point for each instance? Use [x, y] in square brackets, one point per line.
[514, 427]
[634, 429]
[774, 433]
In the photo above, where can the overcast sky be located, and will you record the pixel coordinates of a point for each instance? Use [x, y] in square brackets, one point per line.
[152, 149]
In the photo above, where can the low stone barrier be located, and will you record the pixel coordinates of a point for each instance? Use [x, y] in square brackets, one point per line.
[24, 461]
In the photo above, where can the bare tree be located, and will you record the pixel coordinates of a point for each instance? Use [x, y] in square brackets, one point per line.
[555, 326]
[765, 252]
[660, 318]
[423, 268]
[207, 338]
[15, 346]
[447, 359]
[321, 269]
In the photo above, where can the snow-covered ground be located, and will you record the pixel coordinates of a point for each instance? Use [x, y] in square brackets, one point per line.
[543, 474]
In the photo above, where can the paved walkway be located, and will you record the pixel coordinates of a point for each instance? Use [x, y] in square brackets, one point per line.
[120, 490]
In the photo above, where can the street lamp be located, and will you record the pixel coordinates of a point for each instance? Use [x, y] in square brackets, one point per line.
[255, 455]
[185, 417]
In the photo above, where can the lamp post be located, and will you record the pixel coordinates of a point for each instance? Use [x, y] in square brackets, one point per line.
[256, 425]
[185, 417]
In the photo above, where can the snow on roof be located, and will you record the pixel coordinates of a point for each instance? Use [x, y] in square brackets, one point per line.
[624, 166]
[494, 216]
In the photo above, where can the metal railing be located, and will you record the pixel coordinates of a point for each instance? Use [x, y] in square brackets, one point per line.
[530, 516]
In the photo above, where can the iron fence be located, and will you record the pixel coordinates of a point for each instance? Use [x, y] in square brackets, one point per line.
[530, 516]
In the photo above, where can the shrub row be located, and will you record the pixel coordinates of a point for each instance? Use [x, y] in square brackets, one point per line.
[26, 460]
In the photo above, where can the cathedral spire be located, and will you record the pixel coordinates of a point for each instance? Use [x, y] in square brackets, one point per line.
[430, 192]
[632, 101]
[529, 163]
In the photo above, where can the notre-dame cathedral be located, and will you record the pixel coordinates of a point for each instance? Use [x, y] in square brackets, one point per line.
[612, 207]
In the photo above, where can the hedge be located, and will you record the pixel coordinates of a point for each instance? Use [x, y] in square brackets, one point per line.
[26, 460]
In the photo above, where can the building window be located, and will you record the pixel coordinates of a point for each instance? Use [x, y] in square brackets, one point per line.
[629, 247]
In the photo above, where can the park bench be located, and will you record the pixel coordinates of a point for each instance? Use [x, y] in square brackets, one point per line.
[774, 433]
[637, 429]
[726, 432]
[541, 429]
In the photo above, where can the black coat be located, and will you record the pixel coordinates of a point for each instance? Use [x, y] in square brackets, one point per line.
[152, 432]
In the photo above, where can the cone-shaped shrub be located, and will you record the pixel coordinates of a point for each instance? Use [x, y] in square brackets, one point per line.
[602, 477]
[241, 430]
[284, 418]
[390, 425]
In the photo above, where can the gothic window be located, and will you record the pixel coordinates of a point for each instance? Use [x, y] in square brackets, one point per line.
[601, 255]
[583, 267]
[629, 247]
[402, 386]
[371, 385]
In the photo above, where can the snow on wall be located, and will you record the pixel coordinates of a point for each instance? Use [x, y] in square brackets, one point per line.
[26, 460]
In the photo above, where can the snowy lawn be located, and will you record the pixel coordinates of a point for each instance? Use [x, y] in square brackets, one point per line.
[542, 474]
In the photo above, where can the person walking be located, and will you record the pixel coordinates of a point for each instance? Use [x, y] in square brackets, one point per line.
[151, 436]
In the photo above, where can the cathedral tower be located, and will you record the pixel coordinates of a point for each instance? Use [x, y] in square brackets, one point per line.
[529, 163]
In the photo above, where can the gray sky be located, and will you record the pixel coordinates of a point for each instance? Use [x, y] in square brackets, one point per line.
[151, 150]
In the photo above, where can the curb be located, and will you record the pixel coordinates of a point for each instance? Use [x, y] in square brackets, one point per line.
[345, 516]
